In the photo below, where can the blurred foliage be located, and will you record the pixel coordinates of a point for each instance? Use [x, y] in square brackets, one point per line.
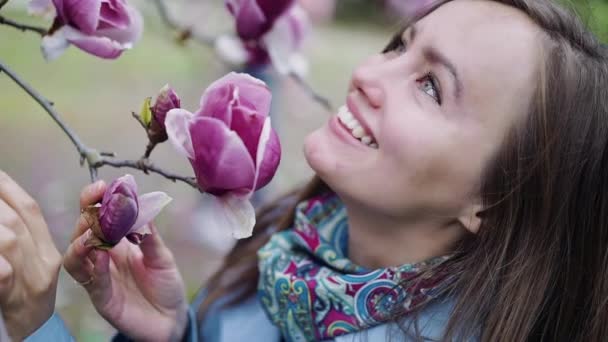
[593, 12]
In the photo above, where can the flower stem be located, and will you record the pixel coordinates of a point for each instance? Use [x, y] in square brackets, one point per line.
[23, 27]
[148, 167]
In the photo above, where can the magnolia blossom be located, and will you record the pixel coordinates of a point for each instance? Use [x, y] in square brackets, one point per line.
[231, 146]
[104, 28]
[123, 213]
[267, 31]
[166, 100]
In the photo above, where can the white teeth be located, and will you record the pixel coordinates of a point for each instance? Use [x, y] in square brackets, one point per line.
[348, 120]
[358, 132]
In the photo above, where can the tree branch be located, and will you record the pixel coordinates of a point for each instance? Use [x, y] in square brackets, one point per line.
[146, 166]
[23, 27]
[184, 32]
[84, 152]
[187, 33]
[92, 157]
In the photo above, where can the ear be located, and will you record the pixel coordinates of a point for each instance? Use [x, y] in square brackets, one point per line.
[469, 218]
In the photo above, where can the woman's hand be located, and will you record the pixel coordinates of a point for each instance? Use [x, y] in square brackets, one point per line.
[138, 289]
[29, 262]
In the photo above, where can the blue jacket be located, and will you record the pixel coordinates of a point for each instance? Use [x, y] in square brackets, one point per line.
[248, 322]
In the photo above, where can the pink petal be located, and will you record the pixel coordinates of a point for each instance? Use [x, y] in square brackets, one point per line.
[113, 13]
[217, 102]
[251, 22]
[222, 162]
[231, 49]
[229, 212]
[150, 205]
[40, 7]
[270, 163]
[285, 38]
[130, 34]
[102, 47]
[252, 92]
[178, 123]
[248, 125]
[261, 154]
[82, 14]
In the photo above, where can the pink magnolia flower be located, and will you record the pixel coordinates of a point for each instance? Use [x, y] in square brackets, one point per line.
[104, 28]
[267, 31]
[166, 100]
[231, 146]
[123, 213]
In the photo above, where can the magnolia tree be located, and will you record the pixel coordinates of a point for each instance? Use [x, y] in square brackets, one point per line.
[228, 139]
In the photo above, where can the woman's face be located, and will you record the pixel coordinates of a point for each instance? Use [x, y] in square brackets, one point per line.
[430, 115]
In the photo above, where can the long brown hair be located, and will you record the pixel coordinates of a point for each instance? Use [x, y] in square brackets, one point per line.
[538, 268]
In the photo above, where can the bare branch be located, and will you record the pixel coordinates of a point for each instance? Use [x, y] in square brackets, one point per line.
[2, 3]
[23, 27]
[184, 32]
[147, 167]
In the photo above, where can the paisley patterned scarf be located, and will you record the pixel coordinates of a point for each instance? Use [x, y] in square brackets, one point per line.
[311, 291]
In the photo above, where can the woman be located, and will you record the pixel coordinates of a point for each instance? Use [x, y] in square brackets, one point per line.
[461, 194]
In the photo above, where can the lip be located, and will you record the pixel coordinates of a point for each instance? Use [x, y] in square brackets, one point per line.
[338, 129]
[352, 107]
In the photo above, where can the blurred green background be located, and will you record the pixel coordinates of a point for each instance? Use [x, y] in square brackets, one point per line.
[96, 97]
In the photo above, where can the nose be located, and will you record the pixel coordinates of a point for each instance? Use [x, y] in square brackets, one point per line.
[368, 80]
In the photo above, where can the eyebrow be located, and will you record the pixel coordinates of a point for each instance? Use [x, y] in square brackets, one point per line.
[435, 56]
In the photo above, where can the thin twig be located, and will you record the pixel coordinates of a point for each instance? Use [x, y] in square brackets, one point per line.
[23, 27]
[163, 11]
[148, 167]
[323, 101]
[83, 151]
[2, 3]
[210, 41]
[92, 157]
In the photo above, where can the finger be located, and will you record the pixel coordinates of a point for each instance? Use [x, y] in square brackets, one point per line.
[100, 285]
[92, 193]
[6, 278]
[155, 253]
[27, 208]
[14, 234]
[76, 259]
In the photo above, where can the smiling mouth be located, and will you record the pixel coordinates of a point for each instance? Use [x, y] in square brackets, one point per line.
[348, 120]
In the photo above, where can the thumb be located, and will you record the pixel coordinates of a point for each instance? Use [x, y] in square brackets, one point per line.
[155, 253]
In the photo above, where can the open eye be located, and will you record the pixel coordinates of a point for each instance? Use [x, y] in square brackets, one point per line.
[429, 85]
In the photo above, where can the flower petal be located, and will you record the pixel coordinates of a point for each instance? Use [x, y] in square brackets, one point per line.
[266, 154]
[217, 102]
[178, 123]
[43, 8]
[229, 212]
[252, 92]
[285, 38]
[102, 47]
[221, 163]
[251, 22]
[128, 35]
[150, 205]
[248, 125]
[231, 50]
[82, 14]
[113, 13]
[270, 163]
[54, 45]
